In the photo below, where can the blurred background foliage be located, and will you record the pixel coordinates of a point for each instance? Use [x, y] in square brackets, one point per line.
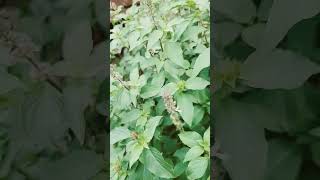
[53, 92]
[266, 77]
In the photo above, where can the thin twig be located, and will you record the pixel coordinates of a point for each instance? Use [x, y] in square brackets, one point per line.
[49, 79]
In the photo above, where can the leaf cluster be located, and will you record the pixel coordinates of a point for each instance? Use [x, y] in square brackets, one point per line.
[159, 90]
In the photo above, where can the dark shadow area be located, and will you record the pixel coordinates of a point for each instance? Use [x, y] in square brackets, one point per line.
[54, 88]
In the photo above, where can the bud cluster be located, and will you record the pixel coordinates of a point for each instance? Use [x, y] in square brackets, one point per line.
[172, 109]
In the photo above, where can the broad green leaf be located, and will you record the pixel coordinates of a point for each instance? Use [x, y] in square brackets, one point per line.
[193, 153]
[8, 82]
[197, 167]
[141, 173]
[89, 67]
[134, 74]
[5, 57]
[264, 9]
[135, 153]
[180, 28]
[43, 118]
[236, 117]
[131, 115]
[151, 126]
[169, 88]
[76, 99]
[226, 32]
[206, 136]
[251, 35]
[154, 37]
[153, 88]
[315, 131]
[155, 163]
[141, 121]
[202, 62]
[170, 68]
[196, 83]
[190, 138]
[71, 166]
[77, 43]
[191, 33]
[179, 169]
[315, 152]
[279, 69]
[181, 153]
[197, 116]
[175, 54]
[150, 91]
[123, 99]
[186, 106]
[242, 11]
[280, 21]
[284, 160]
[133, 40]
[118, 134]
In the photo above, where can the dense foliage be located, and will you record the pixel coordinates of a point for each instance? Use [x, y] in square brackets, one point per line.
[159, 90]
[52, 90]
[266, 80]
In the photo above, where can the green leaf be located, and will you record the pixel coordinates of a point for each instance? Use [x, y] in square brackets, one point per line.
[170, 88]
[236, 117]
[151, 127]
[201, 62]
[206, 136]
[186, 106]
[150, 91]
[179, 169]
[191, 33]
[226, 32]
[8, 82]
[123, 99]
[193, 153]
[142, 173]
[175, 54]
[135, 153]
[153, 88]
[154, 37]
[241, 11]
[118, 134]
[284, 160]
[132, 115]
[170, 68]
[315, 131]
[5, 56]
[315, 152]
[133, 40]
[279, 21]
[281, 70]
[251, 35]
[43, 118]
[71, 166]
[190, 138]
[75, 106]
[155, 163]
[180, 28]
[197, 167]
[264, 10]
[197, 116]
[196, 83]
[77, 43]
[86, 68]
